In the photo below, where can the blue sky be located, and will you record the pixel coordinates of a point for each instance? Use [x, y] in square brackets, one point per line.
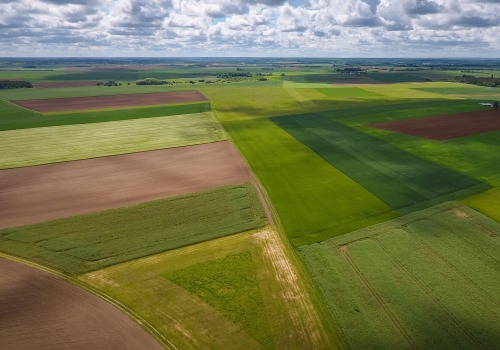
[308, 28]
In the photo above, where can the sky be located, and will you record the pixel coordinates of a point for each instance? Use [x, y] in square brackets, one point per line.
[250, 28]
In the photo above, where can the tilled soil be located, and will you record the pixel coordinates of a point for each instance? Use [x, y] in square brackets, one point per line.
[113, 101]
[447, 127]
[40, 193]
[41, 311]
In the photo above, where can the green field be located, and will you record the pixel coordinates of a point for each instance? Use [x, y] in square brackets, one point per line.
[398, 178]
[425, 280]
[13, 117]
[237, 292]
[89, 242]
[314, 200]
[26, 147]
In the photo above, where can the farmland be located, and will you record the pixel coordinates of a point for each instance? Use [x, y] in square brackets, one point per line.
[271, 214]
[83, 243]
[242, 289]
[399, 179]
[114, 101]
[448, 126]
[36, 146]
[83, 320]
[13, 117]
[80, 187]
[395, 284]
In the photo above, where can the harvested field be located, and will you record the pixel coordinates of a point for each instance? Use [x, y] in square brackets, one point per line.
[40, 311]
[446, 127]
[63, 84]
[113, 101]
[36, 146]
[46, 192]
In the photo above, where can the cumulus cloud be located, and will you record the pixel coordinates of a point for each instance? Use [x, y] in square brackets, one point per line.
[239, 27]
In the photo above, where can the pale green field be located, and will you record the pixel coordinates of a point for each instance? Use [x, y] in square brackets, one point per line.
[238, 292]
[19, 148]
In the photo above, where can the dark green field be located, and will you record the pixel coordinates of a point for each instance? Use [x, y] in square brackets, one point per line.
[428, 280]
[398, 178]
[89, 242]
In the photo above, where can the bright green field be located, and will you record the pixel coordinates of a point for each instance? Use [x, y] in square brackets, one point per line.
[89, 242]
[26, 147]
[314, 200]
[13, 117]
[427, 280]
[398, 178]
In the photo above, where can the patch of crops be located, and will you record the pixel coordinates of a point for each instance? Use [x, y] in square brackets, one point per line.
[230, 285]
[19, 148]
[314, 200]
[89, 242]
[13, 117]
[425, 280]
[400, 179]
[487, 203]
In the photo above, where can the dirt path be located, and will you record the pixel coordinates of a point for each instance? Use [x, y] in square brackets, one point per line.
[307, 331]
[40, 311]
[40, 193]
[113, 101]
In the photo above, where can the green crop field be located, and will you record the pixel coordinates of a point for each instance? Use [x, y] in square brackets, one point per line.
[13, 117]
[425, 280]
[398, 178]
[89, 242]
[26, 147]
[314, 200]
[242, 291]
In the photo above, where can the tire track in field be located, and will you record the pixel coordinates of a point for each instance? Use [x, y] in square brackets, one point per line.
[378, 298]
[307, 331]
[439, 257]
[430, 294]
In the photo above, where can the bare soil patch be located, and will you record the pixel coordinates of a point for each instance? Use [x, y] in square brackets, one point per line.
[64, 84]
[113, 101]
[40, 193]
[447, 127]
[41, 311]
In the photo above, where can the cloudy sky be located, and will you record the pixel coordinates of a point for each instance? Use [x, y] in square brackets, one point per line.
[308, 28]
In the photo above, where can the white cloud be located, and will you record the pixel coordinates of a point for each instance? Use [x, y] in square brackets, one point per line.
[253, 27]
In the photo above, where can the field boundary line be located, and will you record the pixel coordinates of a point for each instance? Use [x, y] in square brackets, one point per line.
[378, 298]
[78, 283]
[429, 293]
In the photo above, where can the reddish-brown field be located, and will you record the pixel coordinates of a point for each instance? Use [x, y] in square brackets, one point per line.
[113, 101]
[40, 311]
[446, 127]
[45, 192]
[64, 84]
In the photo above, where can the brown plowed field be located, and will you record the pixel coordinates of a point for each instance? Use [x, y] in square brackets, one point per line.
[446, 127]
[64, 84]
[40, 311]
[113, 101]
[45, 192]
